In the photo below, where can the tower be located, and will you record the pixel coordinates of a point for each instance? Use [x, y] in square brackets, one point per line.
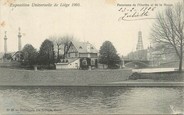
[5, 43]
[19, 41]
[140, 42]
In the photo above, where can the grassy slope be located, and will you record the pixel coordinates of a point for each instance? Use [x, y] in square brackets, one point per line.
[61, 77]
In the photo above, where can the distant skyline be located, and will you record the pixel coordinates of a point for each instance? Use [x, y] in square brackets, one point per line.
[95, 21]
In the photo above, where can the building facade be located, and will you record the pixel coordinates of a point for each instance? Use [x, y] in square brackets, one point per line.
[79, 55]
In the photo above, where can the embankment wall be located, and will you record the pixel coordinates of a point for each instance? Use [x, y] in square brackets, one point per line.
[17, 77]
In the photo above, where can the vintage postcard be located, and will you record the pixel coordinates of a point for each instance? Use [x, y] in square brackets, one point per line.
[91, 57]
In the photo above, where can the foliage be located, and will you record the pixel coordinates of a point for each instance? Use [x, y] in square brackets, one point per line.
[19, 56]
[168, 32]
[108, 55]
[57, 41]
[29, 55]
[7, 56]
[46, 53]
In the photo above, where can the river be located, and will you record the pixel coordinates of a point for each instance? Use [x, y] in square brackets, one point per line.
[124, 100]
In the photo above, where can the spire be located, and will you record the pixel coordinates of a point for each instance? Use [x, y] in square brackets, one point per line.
[140, 42]
[5, 42]
[19, 40]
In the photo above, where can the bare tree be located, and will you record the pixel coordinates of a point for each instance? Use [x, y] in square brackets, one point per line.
[66, 43]
[57, 44]
[61, 42]
[168, 31]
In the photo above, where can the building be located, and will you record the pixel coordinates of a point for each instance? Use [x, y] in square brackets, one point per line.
[79, 55]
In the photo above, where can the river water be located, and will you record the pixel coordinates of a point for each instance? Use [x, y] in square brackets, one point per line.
[124, 100]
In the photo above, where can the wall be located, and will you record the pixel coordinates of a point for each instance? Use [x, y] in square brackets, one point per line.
[61, 77]
[71, 65]
[83, 55]
[73, 55]
[93, 55]
[61, 66]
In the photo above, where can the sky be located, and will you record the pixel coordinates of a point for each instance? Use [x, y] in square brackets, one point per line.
[94, 21]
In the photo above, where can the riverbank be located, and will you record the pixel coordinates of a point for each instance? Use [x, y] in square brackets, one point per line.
[17, 77]
[143, 84]
[170, 76]
[119, 77]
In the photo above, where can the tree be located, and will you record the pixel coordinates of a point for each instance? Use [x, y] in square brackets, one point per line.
[46, 53]
[61, 43]
[168, 31]
[29, 55]
[108, 55]
[7, 56]
[66, 42]
[57, 45]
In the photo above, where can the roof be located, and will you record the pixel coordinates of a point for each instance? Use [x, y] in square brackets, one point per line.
[84, 47]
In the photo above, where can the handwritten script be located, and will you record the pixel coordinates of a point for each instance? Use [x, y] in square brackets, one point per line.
[134, 12]
[130, 14]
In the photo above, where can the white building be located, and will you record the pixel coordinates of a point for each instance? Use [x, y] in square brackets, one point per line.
[79, 55]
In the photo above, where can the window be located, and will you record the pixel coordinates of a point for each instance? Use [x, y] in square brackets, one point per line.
[76, 54]
[80, 47]
[92, 62]
[84, 62]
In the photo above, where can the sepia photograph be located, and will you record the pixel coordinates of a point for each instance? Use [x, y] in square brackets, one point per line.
[91, 57]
